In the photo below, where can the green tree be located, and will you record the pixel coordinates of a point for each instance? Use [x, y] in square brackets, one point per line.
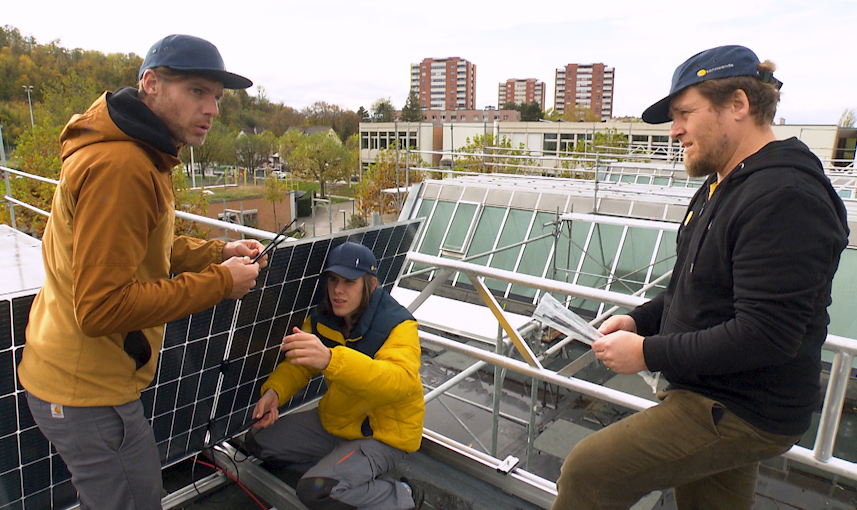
[322, 158]
[382, 110]
[287, 143]
[251, 150]
[275, 192]
[382, 175]
[603, 141]
[67, 96]
[531, 112]
[189, 201]
[484, 154]
[552, 115]
[38, 153]
[411, 111]
[363, 114]
[581, 114]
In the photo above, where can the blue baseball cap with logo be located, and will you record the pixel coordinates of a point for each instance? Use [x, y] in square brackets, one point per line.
[713, 64]
[192, 55]
[351, 260]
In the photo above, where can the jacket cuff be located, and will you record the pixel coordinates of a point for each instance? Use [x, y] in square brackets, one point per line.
[655, 353]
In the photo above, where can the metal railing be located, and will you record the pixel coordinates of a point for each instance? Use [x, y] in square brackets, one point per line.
[520, 481]
[820, 456]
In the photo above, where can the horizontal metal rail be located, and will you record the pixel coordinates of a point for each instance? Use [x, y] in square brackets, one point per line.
[29, 176]
[820, 456]
[604, 296]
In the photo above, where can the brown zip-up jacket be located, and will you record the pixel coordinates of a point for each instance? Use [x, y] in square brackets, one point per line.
[108, 249]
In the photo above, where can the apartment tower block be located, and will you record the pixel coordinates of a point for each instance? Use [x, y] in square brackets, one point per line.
[445, 83]
[586, 86]
[521, 91]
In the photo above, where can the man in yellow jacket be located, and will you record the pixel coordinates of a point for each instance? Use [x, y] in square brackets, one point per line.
[367, 346]
[97, 325]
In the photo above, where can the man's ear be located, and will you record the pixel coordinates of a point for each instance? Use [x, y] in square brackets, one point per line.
[150, 82]
[740, 104]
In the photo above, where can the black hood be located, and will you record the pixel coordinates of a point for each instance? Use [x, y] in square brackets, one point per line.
[790, 153]
[136, 120]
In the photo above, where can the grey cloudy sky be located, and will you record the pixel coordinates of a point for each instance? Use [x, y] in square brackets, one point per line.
[353, 52]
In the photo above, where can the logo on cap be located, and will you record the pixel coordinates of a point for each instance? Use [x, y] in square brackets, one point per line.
[701, 73]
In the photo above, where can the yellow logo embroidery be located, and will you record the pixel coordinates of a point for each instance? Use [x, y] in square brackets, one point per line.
[701, 73]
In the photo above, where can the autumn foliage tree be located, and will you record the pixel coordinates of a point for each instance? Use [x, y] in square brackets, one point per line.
[189, 201]
[383, 175]
[484, 154]
[38, 153]
[322, 158]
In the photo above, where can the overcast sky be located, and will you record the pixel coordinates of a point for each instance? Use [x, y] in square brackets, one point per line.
[353, 52]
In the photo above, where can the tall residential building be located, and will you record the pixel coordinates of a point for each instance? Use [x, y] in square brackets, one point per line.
[589, 86]
[521, 91]
[445, 83]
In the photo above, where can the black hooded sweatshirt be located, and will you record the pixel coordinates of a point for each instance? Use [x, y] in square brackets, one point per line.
[745, 313]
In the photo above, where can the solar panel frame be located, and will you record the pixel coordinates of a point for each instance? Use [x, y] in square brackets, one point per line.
[210, 369]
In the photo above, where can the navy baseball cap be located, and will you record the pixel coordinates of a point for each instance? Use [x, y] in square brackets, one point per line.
[713, 64]
[192, 55]
[351, 260]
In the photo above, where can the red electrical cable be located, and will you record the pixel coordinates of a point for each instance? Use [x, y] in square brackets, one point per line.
[233, 478]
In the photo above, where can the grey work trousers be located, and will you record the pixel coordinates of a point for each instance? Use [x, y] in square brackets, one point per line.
[344, 474]
[677, 444]
[110, 452]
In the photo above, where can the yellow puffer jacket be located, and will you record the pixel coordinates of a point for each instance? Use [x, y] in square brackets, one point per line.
[108, 250]
[385, 389]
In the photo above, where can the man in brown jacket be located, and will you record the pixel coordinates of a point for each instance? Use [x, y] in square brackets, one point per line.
[97, 324]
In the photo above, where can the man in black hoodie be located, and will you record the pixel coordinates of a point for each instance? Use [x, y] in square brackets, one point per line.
[738, 331]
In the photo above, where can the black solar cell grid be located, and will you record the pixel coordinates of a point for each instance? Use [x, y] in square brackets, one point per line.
[210, 369]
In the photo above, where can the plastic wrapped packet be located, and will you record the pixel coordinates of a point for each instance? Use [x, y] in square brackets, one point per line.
[551, 312]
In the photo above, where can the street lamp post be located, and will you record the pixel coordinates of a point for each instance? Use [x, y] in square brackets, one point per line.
[29, 89]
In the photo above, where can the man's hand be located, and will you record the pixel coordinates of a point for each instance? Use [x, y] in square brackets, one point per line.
[266, 411]
[244, 275]
[245, 248]
[621, 351]
[306, 349]
[618, 323]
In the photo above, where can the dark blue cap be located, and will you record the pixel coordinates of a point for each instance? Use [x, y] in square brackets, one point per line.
[713, 64]
[192, 55]
[351, 260]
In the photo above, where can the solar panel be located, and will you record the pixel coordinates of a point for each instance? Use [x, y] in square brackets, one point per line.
[210, 369]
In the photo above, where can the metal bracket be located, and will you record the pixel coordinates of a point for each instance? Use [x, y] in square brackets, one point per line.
[508, 465]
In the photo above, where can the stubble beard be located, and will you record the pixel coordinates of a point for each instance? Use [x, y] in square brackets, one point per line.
[708, 161]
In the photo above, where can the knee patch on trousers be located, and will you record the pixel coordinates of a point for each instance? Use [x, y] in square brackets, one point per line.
[314, 492]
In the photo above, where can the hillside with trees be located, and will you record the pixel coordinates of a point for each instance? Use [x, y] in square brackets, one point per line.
[248, 132]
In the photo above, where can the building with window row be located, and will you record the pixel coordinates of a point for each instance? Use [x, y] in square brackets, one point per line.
[521, 91]
[585, 86]
[445, 83]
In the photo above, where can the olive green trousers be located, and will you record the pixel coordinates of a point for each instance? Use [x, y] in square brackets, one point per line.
[689, 442]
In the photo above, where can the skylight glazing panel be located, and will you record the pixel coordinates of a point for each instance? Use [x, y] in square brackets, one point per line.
[436, 229]
[634, 260]
[597, 262]
[843, 320]
[663, 263]
[536, 254]
[459, 228]
[569, 251]
[485, 235]
[514, 230]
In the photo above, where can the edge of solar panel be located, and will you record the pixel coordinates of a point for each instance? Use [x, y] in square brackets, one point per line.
[32, 475]
[210, 369]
